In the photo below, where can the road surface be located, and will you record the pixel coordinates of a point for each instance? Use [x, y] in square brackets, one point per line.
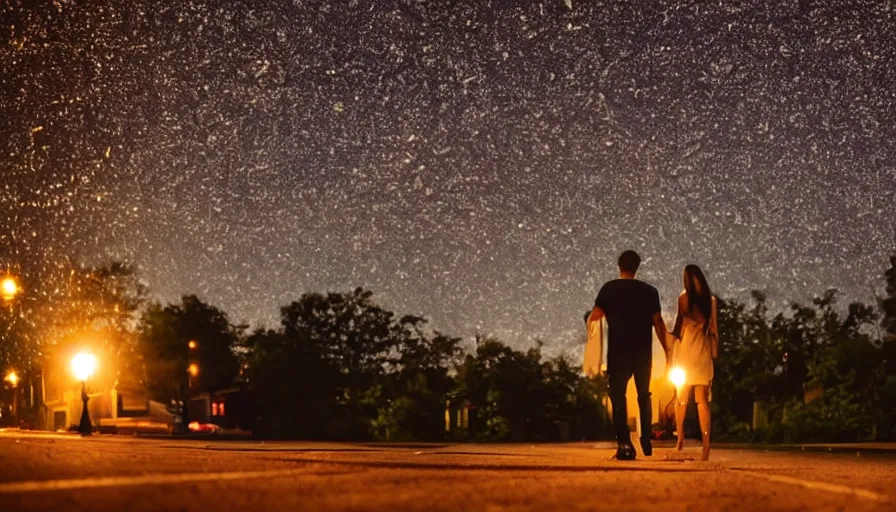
[61, 472]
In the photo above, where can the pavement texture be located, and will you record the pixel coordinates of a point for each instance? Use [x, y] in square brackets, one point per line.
[62, 472]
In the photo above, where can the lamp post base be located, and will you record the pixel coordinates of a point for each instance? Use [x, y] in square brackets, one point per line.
[85, 428]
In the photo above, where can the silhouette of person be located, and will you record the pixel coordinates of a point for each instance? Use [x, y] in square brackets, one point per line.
[632, 310]
[697, 331]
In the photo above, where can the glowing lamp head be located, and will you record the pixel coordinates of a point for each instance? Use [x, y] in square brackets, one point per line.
[12, 378]
[193, 344]
[9, 288]
[677, 376]
[83, 365]
[193, 369]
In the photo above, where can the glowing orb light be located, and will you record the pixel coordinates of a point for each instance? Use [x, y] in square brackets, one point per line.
[9, 288]
[677, 376]
[84, 365]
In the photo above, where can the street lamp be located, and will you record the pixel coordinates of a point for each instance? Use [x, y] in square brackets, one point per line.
[83, 365]
[192, 368]
[9, 288]
[192, 372]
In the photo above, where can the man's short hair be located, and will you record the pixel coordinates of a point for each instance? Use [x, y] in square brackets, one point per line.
[629, 261]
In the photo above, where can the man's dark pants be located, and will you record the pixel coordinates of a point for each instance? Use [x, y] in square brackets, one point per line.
[619, 372]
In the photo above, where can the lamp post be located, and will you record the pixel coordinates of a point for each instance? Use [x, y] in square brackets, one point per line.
[192, 372]
[83, 366]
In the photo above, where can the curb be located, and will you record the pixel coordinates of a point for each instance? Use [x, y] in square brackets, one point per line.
[811, 448]
[209, 437]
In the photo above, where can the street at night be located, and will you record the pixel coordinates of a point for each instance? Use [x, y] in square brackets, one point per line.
[493, 247]
[54, 472]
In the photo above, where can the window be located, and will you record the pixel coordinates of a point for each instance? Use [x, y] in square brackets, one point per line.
[221, 408]
[214, 408]
[218, 409]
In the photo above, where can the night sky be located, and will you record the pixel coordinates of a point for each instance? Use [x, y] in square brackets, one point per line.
[479, 163]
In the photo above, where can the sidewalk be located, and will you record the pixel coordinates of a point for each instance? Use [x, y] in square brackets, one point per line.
[887, 449]
[224, 435]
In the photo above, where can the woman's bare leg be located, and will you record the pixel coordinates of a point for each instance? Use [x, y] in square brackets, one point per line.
[700, 395]
[681, 408]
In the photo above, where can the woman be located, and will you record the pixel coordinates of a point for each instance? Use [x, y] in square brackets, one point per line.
[697, 331]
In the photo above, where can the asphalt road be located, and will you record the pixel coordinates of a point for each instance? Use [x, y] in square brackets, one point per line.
[58, 472]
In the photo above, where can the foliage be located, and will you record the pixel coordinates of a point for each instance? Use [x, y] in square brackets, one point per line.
[824, 375]
[340, 366]
[164, 336]
[888, 302]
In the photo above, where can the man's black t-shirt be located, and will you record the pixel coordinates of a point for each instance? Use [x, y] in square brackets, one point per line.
[629, 305]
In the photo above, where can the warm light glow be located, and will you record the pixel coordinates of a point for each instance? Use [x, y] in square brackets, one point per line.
[195, 426]
[9, 288]
[677, 376]
[193, 369]
[12, 378]
[192, 344]
[84, 364]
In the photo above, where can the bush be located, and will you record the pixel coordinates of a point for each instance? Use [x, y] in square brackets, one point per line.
[838, 416]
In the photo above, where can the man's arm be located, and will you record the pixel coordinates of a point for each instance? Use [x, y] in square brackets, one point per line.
[596, 315]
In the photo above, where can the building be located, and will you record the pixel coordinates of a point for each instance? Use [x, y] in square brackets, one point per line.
[113, 410]
[228, 409]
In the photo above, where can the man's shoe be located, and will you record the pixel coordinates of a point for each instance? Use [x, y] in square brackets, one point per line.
[625, 452]
[646, 447]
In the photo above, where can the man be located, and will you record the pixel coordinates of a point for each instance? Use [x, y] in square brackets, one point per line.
[632, 310]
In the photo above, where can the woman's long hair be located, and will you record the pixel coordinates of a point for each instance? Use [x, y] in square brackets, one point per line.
[702, 300]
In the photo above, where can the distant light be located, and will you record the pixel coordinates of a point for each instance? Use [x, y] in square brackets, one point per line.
[193, 369]
[9, 288]
[677, 376]
[12, 378]
[192, 344]
[83, 365]
[195, 426]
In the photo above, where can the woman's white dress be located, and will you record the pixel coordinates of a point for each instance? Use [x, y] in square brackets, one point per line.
[693, 353]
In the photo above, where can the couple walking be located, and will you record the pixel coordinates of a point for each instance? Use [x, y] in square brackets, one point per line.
[632, 310]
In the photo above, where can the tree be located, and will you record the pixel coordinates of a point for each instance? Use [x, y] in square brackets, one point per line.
[93, 308]
[331, 353]
[887, 391]
[888, 303]
[847, 371]
[520, 396]
[293, 387]
[420, 381]
[164, 336]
